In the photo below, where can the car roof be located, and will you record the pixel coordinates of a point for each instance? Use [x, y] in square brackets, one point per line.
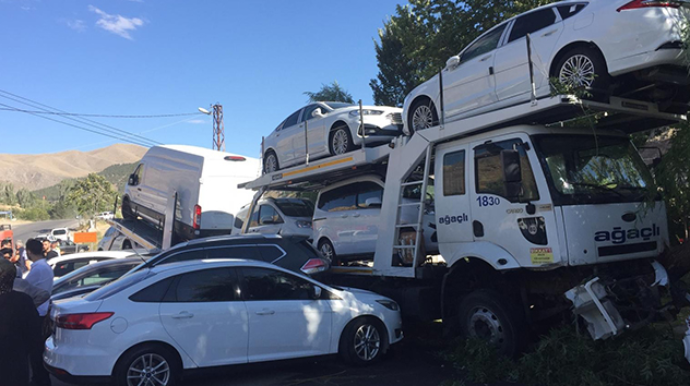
[95, 254]
[213, 263]
[225, 238]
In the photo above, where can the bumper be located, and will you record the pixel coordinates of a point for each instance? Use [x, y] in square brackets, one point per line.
[663, 57]
[81, 361]
[66, 377]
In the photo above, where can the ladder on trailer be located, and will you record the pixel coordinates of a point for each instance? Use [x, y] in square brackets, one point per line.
[400, 246]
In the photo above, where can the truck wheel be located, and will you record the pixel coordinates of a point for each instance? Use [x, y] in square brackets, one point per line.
[127, 212]
[340, 140]
[363, 342]
[487, 315]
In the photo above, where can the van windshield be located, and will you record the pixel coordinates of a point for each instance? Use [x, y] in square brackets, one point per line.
[295, 208]
[584, 169]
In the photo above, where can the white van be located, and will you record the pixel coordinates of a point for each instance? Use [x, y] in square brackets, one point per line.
[206, 184]
[346, 218]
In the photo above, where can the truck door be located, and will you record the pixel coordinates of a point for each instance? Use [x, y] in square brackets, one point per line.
[516, 216]
[453, 215]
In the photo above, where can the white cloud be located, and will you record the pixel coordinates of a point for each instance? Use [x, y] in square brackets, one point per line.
[77, 25]
[197, 121]
[117, 24]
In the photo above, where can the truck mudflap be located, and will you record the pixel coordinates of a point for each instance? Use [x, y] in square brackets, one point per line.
[610, 307]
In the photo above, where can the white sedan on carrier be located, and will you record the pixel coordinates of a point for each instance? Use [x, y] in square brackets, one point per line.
[333, 129]
[151, 325]
[630, 48]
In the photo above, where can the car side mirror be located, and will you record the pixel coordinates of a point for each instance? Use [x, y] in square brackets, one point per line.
[132, 179]
[453, 62]
[267, 220]
[317, 113]
[372, 202]
[512, 173]
[316, 292]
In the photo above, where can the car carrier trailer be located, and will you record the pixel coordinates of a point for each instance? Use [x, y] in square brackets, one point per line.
[520, 243]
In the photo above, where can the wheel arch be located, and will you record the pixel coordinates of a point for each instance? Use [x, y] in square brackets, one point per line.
[338, 124]
[375, 319]
[167, 346]
[580, 43]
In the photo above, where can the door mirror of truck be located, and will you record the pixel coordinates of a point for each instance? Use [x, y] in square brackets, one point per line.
[316, 292]
[266, 220]
[651, 155]
[512, 173]
[453, 62]
[372, 202]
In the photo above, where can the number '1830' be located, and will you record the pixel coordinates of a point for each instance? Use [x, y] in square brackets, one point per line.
[488, 200]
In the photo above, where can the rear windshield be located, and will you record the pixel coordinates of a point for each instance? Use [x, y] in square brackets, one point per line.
[118, 285]
[295, 208]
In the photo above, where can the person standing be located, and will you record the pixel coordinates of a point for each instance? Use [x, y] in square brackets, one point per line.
[40, 276]
[48, 251]
[18, 329]
[55, 246]
[20, 259]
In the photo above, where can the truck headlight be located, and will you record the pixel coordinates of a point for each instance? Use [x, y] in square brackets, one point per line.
[355, 113]
[391, 305]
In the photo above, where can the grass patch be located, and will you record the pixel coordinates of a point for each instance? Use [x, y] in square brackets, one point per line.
[651, 356]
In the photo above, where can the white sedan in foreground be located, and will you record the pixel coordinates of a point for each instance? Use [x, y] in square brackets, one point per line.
[333, 129]
[631, 48]
[151, 325]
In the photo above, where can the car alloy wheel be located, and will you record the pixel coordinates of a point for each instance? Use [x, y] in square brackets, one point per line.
[326, 250]
[577, 71]
[341, 142]
[367, 342]
[271, 163]
[422, 117]
[149, 369]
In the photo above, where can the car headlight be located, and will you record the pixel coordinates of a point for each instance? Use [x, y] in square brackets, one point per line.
[355, 113]
[391, 305]
[303, 224]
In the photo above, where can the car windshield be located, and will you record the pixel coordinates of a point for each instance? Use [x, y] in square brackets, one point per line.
[338, 105]
[588, 169]
[295, 208]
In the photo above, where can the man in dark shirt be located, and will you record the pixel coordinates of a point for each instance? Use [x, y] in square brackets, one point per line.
[48, 252]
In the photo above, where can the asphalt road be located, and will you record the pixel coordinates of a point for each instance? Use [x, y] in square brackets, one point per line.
[27, 231]
[413, 362]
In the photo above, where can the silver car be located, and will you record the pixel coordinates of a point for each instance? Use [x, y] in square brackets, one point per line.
[332, 128]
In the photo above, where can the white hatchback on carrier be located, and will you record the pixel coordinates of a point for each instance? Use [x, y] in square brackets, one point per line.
[150, 326]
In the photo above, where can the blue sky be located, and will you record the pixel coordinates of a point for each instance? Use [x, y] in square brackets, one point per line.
[255, 57]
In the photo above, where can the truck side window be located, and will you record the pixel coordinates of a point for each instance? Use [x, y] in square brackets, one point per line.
[488, 174]
[454, 173]
[339, 199]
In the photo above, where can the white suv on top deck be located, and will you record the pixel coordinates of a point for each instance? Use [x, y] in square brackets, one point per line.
[625, 47]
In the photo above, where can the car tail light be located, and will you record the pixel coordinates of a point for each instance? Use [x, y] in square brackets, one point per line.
[637, 4]
[81, 321]
[235, 158]
[196, 223]
[313, 266]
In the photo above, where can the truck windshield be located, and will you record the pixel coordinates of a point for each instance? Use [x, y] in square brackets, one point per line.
[584, 169]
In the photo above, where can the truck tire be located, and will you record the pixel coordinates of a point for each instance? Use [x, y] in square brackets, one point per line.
[487, 315]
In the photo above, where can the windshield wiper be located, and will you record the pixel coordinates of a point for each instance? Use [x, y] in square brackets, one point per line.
[600, 187]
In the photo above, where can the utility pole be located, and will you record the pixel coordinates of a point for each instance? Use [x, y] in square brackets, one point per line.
[218, 128]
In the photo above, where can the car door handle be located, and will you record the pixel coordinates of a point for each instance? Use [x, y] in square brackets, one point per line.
[344, 216]
[183, 315]
[484, 59]
[265, 312]
[355, 215]
[139, 189]
[549, 33]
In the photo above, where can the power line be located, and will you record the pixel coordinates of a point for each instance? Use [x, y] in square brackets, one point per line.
[102, 115]
[84, 121]
[85, 129]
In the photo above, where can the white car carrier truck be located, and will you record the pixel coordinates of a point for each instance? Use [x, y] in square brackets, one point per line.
[543, 210]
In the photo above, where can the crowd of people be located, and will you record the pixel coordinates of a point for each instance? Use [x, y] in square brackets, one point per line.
[26, 284]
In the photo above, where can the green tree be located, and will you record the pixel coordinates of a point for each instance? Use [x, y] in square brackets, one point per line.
[25, 198]
[91, 195]
[330, 93]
